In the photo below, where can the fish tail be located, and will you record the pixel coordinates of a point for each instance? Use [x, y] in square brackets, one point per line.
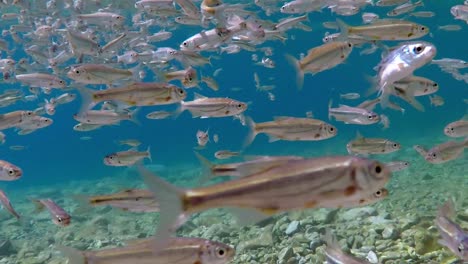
[84, 203]
[135, 72]
[299, 72]
[446, 210]
[252, 132]
[409, 97]
[148, 153]
[207, 166]
[171, 203]
[180, 108]
[38, 204]
[330, 103]
[331, 241]
[87, 98]
[133, 116]
[74, 256]
[344, 29]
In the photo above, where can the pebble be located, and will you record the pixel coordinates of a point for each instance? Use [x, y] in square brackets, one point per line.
[292, 228]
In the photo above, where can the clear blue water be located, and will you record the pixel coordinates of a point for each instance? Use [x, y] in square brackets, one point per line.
[56, 154]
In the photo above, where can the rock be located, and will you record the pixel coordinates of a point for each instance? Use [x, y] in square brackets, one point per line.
[389, 232]
[292, 228]
[285, 254]
[6, 248]
[264, 240]
[463, 215]
[358, 213]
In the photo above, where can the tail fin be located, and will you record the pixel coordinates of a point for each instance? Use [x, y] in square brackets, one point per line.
[87, 101]
[148, 152]
[83, 204]
[179, 110]
[133, 116]
[344, 30]
[74, 256]
[207, 174]
[446, 210]
[299, 72]
[170, 200]
[252, 133]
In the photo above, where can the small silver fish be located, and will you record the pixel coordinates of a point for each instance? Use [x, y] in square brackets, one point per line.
[9, 172]
[59, 216]
[453, 236]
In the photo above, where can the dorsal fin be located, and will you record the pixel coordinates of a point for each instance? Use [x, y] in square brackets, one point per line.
[198, 96]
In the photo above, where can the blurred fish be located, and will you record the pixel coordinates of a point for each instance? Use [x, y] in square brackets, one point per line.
[450, 27]
[41, 80]
[105, 117]
[83, 127]
[158, 115]
[126, 158]
[350, 96]
[405, 8]
[9, 172]
[436, 100]
[7, 204]
[211, 83]
[255, 165]
[366, 146]
[203, 138]
[423, 14]
[446, 151]
[453, 236]
[298, 184]
[17, 147]
[457, 129]
[130, 142]
[180, 250]
[397, 165]
[131, 200]
[334, 254]
[2, 137]
[389, 2]
[188, 77]
[226, 154]
[97, 74]
[59, 216]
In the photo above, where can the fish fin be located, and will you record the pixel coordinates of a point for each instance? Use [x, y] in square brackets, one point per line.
[248, 216]
[281, 117]
[84, 204]
[207, 166]
[359, 136]
[272, 138]
[447, 209]
[198, 96]
[133, 116]
[87, 101]
[180, 108]
[408, 96]
[171, 202]
[299, 72]
[148, 152]
[39, 206]
[330, 103]
[252, 132]
[344, 30]
[74, 256]
[331, 241]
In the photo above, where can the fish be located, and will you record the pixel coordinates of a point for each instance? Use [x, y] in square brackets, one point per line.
[453, 236]
[158, 115]
[385, 29]
[105, 117]
[320, 58]
[188, 77]
[59, 216]
[180, 250]
[255, 165]
[2, 138]
[297, 184]
[291, 129]
[401, 63]
[7, 204]
[436, 100]
[203, 138]
[126, 158]
[97, 74]
[135, 94]
[83, 127]
[350, 96]
[366, 146]
[397, 165]
[130, 142]
[131, 200]
[226, 154]
[446, 151]
[335, 255]
[9, 171]
[352, 115]
[405, 8]
[41, 80]
[205, 107]
[457, 129]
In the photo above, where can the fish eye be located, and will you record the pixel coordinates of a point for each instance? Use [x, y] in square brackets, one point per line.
[435, 84]
[460, 248]
[61, 82]
[418, 49]
[185, 43]
[434, 155]
[77, 71]
[378, 193]
[395, 145]
[423, 28]
[370, 117]
[349, 45]
[11, 172]
[220, 252]
[240, 106]
[451, 129]
[59, 219]
[331, 129]
[378, 169]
